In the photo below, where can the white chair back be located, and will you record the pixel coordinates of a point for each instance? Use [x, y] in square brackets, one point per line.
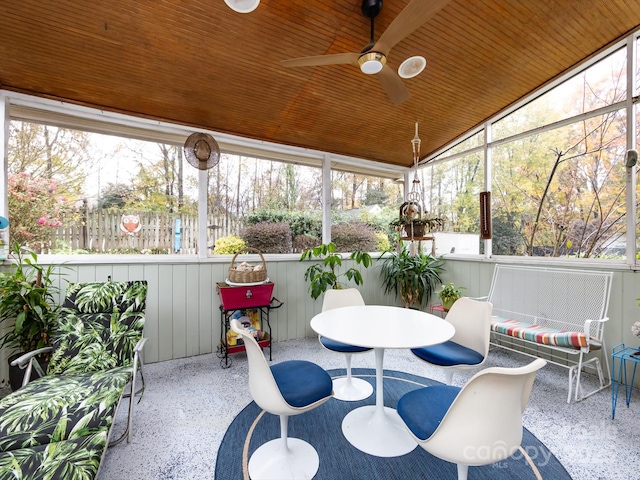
[347, 297]
[262, 386]
[484, 423]
[472, 321]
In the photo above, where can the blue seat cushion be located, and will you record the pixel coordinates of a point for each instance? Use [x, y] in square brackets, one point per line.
[423, 409]
[301, 383]
[447, 354]
[342, 347]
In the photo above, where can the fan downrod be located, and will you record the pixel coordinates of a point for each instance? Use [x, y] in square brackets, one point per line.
[371, 9]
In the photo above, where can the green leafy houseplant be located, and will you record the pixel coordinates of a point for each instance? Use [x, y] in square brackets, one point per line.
[419, 226]
[324, 276]
[449, 293]
[27, 301]
[413, 277]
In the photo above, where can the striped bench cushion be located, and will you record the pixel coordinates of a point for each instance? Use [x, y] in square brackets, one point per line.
[543, 335]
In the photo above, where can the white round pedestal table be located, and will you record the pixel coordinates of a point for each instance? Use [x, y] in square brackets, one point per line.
[376, 429]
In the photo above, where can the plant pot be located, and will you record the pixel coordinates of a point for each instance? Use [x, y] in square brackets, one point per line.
[16, 374]
[419, 229]
[448, 303]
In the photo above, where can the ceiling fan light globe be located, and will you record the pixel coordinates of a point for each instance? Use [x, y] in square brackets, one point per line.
[242, 6]
[372, 62]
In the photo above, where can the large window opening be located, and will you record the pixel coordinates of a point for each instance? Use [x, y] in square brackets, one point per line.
[271, 206]
[362, 209]
[558, 174]
[73, 191]
[561, 193]
[451, 192]
[77, 192]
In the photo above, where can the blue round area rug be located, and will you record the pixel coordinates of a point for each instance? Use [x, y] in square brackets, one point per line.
[339, 460]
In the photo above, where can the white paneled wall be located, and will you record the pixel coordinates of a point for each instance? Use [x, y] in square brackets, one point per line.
[183, 316]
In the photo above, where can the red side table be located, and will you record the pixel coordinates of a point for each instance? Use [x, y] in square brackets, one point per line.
[256, 298]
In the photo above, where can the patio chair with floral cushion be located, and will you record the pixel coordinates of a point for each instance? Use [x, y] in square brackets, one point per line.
[59, 425]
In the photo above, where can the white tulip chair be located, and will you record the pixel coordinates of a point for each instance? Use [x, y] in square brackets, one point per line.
[285, 389]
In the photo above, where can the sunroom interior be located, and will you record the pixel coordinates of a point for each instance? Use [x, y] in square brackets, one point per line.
[502, 77]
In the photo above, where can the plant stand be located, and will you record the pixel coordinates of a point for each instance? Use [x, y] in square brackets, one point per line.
[437, 307]
[623, 355]
[430, 238]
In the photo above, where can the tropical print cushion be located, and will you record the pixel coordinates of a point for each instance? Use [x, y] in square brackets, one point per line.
[76, 459]
[99, 327]
[543, 335]
[106, 297]
[61, 407]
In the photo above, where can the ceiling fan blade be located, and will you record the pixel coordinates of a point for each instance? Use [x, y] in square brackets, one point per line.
[416, 13]
[335, 59]
[392, 85]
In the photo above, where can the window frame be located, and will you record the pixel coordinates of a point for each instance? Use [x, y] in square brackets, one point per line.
[22, 107]
[630, 104]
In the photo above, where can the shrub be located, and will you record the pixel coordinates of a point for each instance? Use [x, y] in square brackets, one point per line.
[269, 237]
[228, 245]
[351, 237]
[301, 223]
[304, 242]
[383, 242]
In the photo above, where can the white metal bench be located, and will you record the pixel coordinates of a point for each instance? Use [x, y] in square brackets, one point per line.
[555, 314]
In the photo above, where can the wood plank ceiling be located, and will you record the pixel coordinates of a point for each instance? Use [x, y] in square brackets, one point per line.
[198, 63]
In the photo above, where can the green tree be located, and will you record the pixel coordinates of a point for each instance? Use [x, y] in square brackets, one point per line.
[375, 196]
[159, 183]
[563, 189]
[115, 196]
[50, 152]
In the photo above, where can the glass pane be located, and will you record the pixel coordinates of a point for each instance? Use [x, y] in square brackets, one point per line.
[79, 192]
[271, 206]
[472, 142]
[602, 84]
[362, 208]
[451, 192]
[562, 193]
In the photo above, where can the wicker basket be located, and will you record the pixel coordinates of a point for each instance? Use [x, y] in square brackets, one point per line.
[247, 277]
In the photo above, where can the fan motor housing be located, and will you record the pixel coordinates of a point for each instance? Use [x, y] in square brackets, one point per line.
[371, 8]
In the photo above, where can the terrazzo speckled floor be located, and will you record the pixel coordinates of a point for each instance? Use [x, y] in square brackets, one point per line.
[189, 403]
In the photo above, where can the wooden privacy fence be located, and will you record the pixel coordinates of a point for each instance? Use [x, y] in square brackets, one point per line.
[112, 231]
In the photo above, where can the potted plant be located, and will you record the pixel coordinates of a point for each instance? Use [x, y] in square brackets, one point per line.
[413, 277]
[27, 307]
[416, 227]
[449, 293]
[323, 276]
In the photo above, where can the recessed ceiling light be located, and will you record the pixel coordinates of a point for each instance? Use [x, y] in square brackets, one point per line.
[412, 67]
[242, 6]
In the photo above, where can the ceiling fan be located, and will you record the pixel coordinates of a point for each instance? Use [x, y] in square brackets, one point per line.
[372, 60]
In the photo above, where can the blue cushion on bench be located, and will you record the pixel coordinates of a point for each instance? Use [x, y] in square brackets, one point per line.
[342, 347]
[447, 354]
[302, 383]
[423, 409]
